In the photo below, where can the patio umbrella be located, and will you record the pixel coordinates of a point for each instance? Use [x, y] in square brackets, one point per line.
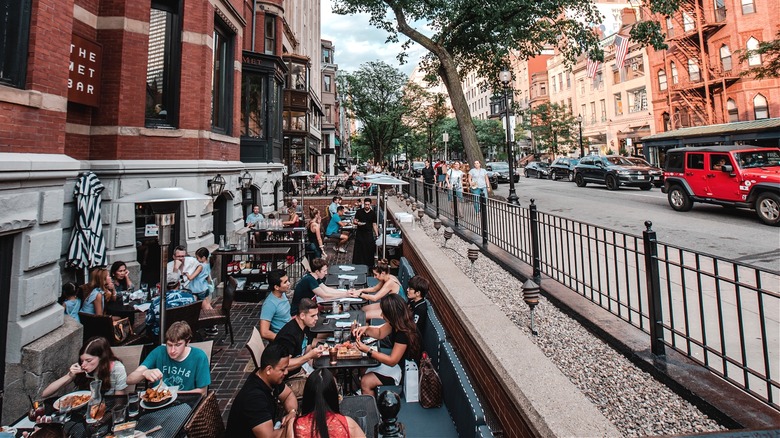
[381, 182]
[302, 174]
[87, 247]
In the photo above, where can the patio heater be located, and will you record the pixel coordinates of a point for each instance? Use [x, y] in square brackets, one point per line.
[531, 297]
[164, 202]
[473, 254]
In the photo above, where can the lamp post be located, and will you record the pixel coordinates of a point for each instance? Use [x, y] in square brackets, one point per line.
[506, 77]
[579, 122]
[446, 138]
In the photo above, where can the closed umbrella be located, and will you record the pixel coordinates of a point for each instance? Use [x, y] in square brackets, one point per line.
[87, 247]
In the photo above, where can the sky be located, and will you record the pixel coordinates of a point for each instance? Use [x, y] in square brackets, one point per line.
[358, 42]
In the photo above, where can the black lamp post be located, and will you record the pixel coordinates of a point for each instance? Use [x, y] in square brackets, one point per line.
[506, 77]
[579, 122]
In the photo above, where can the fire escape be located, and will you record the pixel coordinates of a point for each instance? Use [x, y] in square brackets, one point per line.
[691, 99]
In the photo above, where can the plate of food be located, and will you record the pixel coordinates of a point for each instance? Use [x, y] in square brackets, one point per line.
[75, 400]
[157, 398]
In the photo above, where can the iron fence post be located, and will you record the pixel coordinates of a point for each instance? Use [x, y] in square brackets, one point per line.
[653, 290]
[454, 207]
[533, 215]
[483, 217]
[414, 180]
[436, 193]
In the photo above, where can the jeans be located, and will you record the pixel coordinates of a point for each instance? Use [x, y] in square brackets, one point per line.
[428, 192]
[478, 193]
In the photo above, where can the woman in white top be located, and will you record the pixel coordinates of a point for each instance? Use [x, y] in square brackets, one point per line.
[96, 362]
[454, 180]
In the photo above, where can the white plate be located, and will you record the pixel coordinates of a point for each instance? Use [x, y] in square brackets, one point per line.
[173, 397]
[57, 402]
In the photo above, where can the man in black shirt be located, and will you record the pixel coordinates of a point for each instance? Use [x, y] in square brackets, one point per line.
[417, 290]
[365, 235]
[252, 413]
[429, 176]
[295, 339]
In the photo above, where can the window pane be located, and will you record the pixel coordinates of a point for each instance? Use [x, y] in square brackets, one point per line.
[748, 7]
[675, 78]
[618, 104]
[732, 110]
[725, 58]
[270, 34]
[662, 80]
[754, 58]
[760, 106]
[14, 36]
[221, 81]
[253, 105]
[161, 92]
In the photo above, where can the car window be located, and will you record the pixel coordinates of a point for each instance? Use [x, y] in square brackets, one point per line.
[695, 161]
[717, 161]
[586, 161]
[674, 162]
[620, 161]
[767, 158]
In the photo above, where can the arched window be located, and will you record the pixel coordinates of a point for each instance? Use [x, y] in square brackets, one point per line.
[725, 57]
[675, 77]
[688, 23]
[720, 10]
[662, 80]
[754, 58]
[731, 107]
[694, 74]
[669, 27]
[760, 107]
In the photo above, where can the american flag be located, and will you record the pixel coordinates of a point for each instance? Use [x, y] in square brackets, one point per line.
[621, 49]
[593, 67]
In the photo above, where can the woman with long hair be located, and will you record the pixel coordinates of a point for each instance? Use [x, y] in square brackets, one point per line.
[313, 234]
[121, 276]
[101, 286]
[388, 284]
[320, 416]
[96, 362]
[407, 344]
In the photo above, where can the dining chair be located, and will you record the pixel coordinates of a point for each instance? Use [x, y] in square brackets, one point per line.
[306, 265]
[103, 325]
[188, 313]
[255, 346]
[220, 314]
[206, 421]
[131, 357]
[206, 346]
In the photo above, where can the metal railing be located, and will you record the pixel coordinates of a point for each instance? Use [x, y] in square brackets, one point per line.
[720, 313]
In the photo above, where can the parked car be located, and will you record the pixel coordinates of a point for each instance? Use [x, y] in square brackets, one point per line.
[502, 168]
[656, 172]
[417, 167]
[493, 177]
[731, 176]
[563, 168]
[537, 169]
[613, 171]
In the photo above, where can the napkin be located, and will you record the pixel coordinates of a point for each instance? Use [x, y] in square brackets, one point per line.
[143, 307]
[138, 295]
[346, 268]
[347, 277]
[338, 316]
[350, 300]
[343, 324]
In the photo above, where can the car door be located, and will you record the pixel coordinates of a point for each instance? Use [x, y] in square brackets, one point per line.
[697, 174]
[722, 185]
[599, 170]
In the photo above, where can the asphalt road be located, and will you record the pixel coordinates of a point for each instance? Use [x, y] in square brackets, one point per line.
[729, 233]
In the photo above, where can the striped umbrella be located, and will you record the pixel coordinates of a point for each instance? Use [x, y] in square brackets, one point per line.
[87, 247]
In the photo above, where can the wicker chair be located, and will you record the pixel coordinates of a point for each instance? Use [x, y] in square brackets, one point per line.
[206, 421]
[255, 346]
[221, 315]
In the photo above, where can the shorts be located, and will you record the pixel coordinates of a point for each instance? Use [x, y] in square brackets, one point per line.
[440, 178]
[386, 374]
[201, 295]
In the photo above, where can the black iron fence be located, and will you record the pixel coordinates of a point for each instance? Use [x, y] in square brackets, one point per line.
[722, 314]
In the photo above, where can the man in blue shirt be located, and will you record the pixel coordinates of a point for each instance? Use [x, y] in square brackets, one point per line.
[334, 205]
[176, 363]
[253, 219]
[276, 308]
[334, 226]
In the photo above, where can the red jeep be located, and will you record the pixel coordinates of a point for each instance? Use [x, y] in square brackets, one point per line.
[731, 176]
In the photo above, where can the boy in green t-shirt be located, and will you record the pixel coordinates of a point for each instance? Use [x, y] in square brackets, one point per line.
[176, 363]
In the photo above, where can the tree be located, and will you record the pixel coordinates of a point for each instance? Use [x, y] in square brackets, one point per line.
[769, 51]
[375, 98]
[553, 128]
[475, 35]
[490, 134]
[425, 111]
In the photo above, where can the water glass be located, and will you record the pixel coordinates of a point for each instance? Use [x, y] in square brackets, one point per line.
[118, 413]
[361, 418]
[333, 353]
[351, 284]
[133, 405]
[341, 283]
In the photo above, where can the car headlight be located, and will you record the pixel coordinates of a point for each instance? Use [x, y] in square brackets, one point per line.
[623, 172]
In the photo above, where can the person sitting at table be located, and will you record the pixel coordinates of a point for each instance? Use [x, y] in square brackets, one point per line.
[333, 230]
[253, 218]
[121, 277]
[313, 234]
[309, 286]
[173, 298]
[102, 290]
[333, 206]
[298, 342]
[254, 407]
[176, 363]
[320, 413]
[201, 283]
[293, 219]
[405, 339]
[96, 362]
[298, 209]
[388, 284]
[275, 312]
[70, 300]
[417, 291]
[182, 268]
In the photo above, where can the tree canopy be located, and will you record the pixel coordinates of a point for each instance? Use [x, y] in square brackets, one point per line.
[553, 128]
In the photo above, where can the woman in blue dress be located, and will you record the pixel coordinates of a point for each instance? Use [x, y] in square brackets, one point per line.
[102, 289]
[201, 283]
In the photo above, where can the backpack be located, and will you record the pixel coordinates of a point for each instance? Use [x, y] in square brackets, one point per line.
[430, 384]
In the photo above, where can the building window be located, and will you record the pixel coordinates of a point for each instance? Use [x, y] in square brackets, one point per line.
[603, 104]
[568, 80]
[662, 85]
[571, 110]
[694, 75]
[720, 10]
[760, 107]
[14, 39]
[582, 112]
[637, 100]
[688, 23]
[752, 46]
[326, 109]
[582, 87]
[731, 107]
[593, 112]
[270, 34]
[326, 83]
[669, 27]
[327, 56]
[560, 81]
[725, 57]
[543, 89]
[254, 96]
[618, 104]
[554, 87]
[163, 64]
[748, 7]
[222, 78]
[675, 76]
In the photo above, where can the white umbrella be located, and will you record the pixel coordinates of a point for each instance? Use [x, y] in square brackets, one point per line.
[87, 247]
[380, 182]
[302, 174]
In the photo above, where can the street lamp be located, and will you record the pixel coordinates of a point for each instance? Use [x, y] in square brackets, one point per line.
[579, 122]
[506, 77]
[446, 138]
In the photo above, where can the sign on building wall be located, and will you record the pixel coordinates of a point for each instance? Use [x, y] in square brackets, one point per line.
[86, 60]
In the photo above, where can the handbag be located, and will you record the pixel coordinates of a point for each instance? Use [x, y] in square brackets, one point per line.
[430, 384]
[122, 329]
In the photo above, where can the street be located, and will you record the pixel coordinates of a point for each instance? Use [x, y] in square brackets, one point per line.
[733, 234]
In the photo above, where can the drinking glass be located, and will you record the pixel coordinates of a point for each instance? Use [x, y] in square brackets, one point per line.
[341, 283]
[361, 418]
[333, 352]
[351, 284]
[118, 413]
[133, 404]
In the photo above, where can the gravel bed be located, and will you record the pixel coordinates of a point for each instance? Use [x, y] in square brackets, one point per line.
[636, 403]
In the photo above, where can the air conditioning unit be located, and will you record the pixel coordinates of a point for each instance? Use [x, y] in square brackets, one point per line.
[634, 67]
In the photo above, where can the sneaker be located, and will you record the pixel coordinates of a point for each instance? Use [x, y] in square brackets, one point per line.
[336, 249]
[212, 331]
[342, 250]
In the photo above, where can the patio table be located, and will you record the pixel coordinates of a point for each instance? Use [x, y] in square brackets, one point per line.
[333, 280]
[358, 269]
[328, 325]
[362, 409]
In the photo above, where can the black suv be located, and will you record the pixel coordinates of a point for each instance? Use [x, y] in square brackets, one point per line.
[502, 169]
[613, 171]
[563, 168]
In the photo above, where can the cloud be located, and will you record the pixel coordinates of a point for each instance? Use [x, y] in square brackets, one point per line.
[358, 42]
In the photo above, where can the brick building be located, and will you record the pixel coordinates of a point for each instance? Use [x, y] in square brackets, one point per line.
[144, 94]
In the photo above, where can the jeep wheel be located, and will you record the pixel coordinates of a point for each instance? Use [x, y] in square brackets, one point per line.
[768, 208]
[571, 176]
[580, 181]
[612, 183]
[526, 174]
[646, 187]
[679, 200]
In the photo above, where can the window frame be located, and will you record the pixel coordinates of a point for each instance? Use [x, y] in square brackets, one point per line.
[764, 109]
[725, 60]
[694, 71]
[732, 110]
[748, 7]
[663, 81]
[269, 40]
[327, 83]
[13, 57]
[675, 73]
[754, 59]
[222, 122]
[172, 60]
[618, 99]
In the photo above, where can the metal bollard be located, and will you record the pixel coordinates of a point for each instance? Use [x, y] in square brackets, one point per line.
[653, 290]
[537, 264]
[483, 217]
[389, 403]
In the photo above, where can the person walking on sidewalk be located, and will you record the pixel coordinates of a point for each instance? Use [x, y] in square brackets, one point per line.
[429, 178]
[480, 184]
